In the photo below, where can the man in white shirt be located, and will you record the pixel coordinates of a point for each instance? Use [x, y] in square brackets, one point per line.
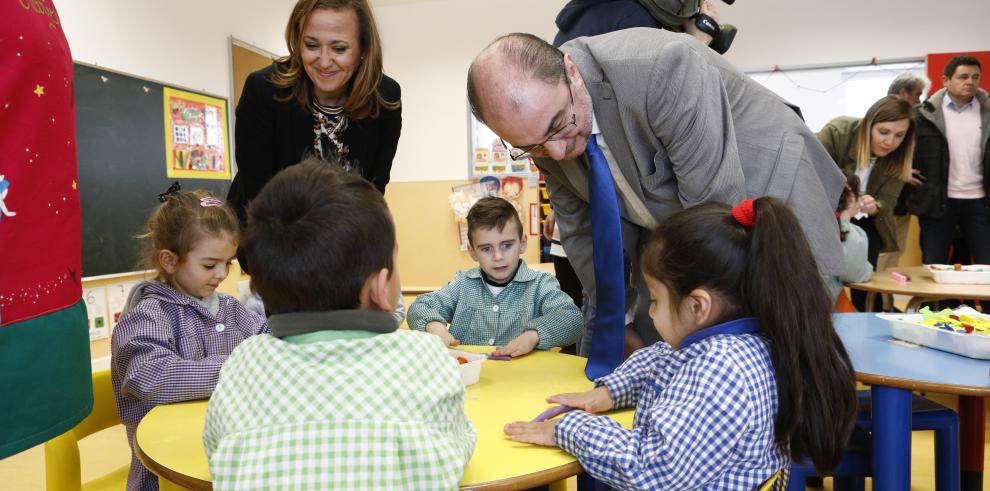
[952, 156]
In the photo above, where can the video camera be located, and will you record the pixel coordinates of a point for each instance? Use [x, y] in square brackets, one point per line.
[672, 14]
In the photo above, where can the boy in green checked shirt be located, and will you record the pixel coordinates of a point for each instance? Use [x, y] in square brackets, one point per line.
[337, 397]
[501, 302]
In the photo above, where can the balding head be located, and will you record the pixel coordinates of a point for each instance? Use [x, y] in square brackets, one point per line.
[498, 75]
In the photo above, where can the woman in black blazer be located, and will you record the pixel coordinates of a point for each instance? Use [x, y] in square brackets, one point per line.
[328, 98]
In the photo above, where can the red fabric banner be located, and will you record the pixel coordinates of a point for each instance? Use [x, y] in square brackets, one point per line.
[40, 250]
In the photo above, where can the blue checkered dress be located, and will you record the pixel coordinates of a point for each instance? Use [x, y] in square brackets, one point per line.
[704, 416]
[169, 348]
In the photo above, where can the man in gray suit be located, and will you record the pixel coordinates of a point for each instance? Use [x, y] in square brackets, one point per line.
[678, 125]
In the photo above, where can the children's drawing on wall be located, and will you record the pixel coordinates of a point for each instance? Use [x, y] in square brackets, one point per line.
[196, 135]
[4, 188]
[463, 197]
[490, 155]
[511, 191]
[500, 156]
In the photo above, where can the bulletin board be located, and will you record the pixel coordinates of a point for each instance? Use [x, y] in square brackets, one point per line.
[195, 135]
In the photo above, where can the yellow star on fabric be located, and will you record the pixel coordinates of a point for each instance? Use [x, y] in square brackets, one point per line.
[73, 184]
[39, 90]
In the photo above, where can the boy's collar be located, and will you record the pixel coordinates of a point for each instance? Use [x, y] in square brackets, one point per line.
[491, 282]
[523, 273]
[744, 325]
[295, 323]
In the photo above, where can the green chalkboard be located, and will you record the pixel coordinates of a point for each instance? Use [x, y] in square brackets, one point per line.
[120, 140]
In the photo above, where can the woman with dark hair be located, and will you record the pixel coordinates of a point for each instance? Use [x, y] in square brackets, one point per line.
[328, 98]
[878, 148]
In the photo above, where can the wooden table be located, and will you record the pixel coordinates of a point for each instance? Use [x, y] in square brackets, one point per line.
[921, 287]
[893, 371]
[169, 439]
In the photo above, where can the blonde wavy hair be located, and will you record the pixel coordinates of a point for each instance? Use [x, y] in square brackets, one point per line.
[363, 100]
[898, 162]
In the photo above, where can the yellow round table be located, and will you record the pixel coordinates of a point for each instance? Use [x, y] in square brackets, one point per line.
[169, 439]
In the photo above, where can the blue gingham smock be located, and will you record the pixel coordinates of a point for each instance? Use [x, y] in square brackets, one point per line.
[705, 416]
[169, 348]
[532, 301]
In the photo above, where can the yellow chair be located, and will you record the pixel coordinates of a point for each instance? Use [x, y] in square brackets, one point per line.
[62, 471]
[776, 482]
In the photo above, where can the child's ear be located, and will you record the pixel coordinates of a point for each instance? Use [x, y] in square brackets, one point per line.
[474, 256]
[377, 294]
[700, 306]
[168, 260]
[522, 244]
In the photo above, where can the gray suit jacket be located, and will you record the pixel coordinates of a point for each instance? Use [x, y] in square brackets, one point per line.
[686, 127]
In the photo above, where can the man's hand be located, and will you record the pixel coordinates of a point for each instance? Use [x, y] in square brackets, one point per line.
[596, 400]
[689, 27]
[548, 223]
[440, 329]
[519, 346]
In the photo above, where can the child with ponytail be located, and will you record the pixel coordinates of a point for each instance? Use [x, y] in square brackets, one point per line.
[176, 330]
[750, 373]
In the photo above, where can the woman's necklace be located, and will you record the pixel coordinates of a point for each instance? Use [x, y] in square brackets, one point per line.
[329, 123]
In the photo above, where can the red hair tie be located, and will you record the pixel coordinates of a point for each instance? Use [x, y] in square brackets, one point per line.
[744, 213]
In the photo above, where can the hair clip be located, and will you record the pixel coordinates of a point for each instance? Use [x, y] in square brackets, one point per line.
[210, 201]
[745, 213]
[172, 190]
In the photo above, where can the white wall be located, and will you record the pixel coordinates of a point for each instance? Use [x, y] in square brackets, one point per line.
[801, 32]
[180, 42]
[430, 43]
[428, 48]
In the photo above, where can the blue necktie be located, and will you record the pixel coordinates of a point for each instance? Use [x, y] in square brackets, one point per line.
[609, 324]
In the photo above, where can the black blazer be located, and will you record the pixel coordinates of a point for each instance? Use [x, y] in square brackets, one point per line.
[272, 135]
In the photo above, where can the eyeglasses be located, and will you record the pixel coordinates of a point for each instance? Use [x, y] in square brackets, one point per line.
[526, 151]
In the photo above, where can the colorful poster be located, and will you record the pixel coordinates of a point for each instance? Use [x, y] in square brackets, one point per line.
[463, 197]
[196, 135]
[490, 155]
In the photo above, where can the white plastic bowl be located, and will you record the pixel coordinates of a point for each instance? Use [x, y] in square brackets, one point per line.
[470, 371]
[974, 274]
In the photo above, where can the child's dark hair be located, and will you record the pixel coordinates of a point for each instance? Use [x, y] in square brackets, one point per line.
[315, 233]
[492, 213]
[851, 190]
[768, 272]
[180, 221]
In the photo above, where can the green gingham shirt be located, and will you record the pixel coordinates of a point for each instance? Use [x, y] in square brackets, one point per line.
[358, 412]
[532, 301]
